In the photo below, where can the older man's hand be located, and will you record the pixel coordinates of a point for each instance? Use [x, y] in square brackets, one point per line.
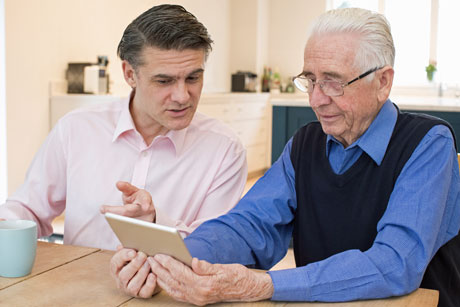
[132, 273]
[207, 283]
[137, 203]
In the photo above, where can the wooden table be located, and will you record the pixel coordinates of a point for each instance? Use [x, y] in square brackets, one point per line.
[65, 275]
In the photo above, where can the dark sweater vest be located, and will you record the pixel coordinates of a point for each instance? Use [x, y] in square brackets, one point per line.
[336, 213]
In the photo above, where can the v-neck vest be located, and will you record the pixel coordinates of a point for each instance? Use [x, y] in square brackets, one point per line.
[336, 212]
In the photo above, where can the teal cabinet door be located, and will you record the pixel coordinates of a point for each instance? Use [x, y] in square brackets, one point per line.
[286, 121]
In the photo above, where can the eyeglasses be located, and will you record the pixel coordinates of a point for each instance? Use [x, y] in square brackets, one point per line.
[329, 87]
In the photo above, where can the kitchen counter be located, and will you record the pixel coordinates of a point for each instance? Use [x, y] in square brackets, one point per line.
[434, 103]
[292, 111]
[404, 102]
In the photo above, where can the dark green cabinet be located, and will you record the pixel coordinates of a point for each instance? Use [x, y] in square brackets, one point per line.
[286, 121]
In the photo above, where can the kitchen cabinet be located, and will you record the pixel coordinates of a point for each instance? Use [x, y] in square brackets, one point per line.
[291, 114]
[248, 115]
[286, 120]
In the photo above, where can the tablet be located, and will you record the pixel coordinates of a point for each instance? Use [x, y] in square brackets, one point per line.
[149, 238]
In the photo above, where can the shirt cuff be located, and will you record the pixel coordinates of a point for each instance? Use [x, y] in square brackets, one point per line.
[290, 285]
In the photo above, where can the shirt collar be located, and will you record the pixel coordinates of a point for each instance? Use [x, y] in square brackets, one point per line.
[377, 137]
[177, 138]
[125, 123]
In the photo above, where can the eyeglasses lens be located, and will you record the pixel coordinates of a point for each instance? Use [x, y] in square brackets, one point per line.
[301, 84]
[329, 88]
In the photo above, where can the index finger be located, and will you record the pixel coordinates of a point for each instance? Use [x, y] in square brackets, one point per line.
[126, 188]
[129, 210]
[175, 267]
[120, 259]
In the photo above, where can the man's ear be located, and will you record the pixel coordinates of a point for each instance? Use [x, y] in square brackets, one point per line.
[128, 73]
[385, 77]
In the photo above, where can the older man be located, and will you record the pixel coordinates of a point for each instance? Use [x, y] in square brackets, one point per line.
[369, 194]
[193, 166]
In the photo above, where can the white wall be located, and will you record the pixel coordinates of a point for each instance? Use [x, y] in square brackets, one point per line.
[3, 165]
[263, 29]
[271, 33]
[43, 36]
[289, 24]
[243, 35]
[250, 30]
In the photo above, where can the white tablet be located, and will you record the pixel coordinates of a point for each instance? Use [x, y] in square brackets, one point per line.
[149, 238]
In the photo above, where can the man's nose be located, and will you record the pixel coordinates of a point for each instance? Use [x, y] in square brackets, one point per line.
[180, 93]
[317, 97]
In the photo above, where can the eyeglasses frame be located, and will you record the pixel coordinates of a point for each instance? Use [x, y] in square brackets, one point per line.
[342, 84]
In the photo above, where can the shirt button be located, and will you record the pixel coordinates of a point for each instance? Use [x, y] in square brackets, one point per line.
[144, 153]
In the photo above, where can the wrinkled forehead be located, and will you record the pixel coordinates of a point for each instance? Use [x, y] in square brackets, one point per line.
[331, 52]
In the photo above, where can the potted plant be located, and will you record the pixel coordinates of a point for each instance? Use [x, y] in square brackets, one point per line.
[430, 70]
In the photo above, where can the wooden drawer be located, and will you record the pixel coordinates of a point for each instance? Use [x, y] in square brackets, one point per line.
[244, 111]
[222, 112]
[251, 132]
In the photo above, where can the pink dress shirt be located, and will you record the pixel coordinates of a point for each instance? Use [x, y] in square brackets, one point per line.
[193, 174]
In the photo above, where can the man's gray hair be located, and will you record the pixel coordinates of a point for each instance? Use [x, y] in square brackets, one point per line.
[376, 47]
[167, 27]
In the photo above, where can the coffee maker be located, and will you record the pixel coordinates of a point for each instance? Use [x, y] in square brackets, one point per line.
[88, 78]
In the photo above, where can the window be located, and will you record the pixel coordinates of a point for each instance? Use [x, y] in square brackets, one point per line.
[423, 31]
[411, 38]
[448, 43]
[3, 166]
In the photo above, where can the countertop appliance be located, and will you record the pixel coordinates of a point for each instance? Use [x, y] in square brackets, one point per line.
[75, 77]
[244, 81]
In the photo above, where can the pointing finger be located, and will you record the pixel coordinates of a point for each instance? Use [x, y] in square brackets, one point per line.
[131, 210]
[126, 188]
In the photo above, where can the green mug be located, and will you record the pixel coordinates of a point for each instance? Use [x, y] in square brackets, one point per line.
[18, 246]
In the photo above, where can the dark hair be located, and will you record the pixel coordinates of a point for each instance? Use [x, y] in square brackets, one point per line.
[165, 27]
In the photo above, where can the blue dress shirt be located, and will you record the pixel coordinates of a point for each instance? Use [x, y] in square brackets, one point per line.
[423, 213]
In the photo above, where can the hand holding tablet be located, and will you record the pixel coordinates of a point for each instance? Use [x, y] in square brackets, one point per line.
[149, 238]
